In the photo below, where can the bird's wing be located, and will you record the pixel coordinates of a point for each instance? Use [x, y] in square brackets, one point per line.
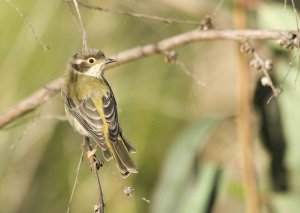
[89, 114]
[118, 146]
[90, 119]
[110, 113]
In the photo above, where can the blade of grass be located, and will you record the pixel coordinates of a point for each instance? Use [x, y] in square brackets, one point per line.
[199, 197]
[179, 164]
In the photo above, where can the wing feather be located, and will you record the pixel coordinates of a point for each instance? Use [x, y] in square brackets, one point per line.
[87, 115]
[111, 116]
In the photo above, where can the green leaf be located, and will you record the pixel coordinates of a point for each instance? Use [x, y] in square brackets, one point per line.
[198, 198]
[179, 164]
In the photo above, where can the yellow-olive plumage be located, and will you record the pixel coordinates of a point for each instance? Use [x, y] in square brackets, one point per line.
[92, 110]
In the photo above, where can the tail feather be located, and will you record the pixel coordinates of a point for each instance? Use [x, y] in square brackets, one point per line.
[123, 153]
[123, 170]
[129, 147]
[120, 153]
[107, 154]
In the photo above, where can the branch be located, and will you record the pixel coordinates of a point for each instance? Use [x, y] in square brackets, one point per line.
[41, 96]
[140, 15]
[31, 103]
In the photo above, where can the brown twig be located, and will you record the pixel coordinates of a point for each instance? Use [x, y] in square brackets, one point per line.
[94, 164]
[31, 103]
[40, 96]
[171, 57]
[264, 66]
[140, 15]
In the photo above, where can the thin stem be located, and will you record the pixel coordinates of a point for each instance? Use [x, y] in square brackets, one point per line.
[27, 22]
[90, 152]
[83, 32]
[76, 179]
[142, 16]
[244, 120]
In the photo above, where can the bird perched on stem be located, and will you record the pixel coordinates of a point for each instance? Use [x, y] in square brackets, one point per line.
[92, 109]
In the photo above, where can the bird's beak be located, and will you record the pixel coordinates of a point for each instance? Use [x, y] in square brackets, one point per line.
[109, 60]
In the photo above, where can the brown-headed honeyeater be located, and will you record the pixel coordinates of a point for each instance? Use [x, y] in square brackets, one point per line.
[91, 107]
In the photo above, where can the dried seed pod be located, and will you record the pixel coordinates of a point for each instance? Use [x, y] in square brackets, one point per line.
[265, 81]
[206, 24]
[170, 56]
[128, 191]
[297, 42]
[98, 164]
[291, 36]
[96, 208]
[268, 65]
[289, 41]
[277, 92]
[247, 48]
[255, 64]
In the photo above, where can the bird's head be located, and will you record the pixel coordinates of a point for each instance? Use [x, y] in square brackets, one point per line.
[90, 62]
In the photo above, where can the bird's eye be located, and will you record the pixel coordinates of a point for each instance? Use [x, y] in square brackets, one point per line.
[91, 60]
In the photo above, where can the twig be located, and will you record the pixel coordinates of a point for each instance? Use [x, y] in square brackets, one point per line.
[296, 14]
[267, 80]
[218, 7]
[284, 5]
[259, 64]
[35, 117]
[171, 57]
[41, 96]
[54, 117]
[70, 4]
[90, 152]
[76, 178]
[32, 123]
[83, 32]
[31, 103]
[140, 15]
[27, 22]
[125, 191]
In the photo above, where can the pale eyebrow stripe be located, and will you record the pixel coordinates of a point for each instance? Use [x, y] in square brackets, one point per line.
[78, 61]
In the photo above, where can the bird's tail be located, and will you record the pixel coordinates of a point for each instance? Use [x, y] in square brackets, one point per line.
[120, 152]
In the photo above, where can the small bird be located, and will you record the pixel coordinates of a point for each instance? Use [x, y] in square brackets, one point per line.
[91, 107]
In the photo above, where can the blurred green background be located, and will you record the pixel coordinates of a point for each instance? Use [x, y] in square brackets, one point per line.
[185, 134]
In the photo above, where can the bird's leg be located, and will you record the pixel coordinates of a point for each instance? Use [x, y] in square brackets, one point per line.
[90, 152]
[91, 155]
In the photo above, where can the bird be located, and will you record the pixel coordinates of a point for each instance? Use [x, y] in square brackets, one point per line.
[91, 107]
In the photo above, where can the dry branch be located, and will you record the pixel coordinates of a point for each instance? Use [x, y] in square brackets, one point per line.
[42, 95]
[140, 15]
[32, 102]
